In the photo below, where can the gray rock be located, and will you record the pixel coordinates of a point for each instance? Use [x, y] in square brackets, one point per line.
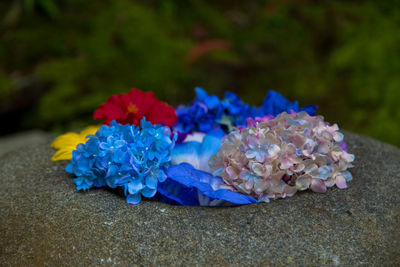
[45, 221]
[20, 140]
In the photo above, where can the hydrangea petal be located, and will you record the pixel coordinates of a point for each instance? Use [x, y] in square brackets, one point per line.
[275, 103]
[318, 186]
[133, 199]
[341, 182]
[135, 186]
[303, 183]
[151, 181]
[149, 192]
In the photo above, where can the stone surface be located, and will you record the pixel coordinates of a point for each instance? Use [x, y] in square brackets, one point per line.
[45, 221]
[20, 140]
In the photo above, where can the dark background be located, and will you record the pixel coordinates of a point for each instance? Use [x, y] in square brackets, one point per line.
[60, 59]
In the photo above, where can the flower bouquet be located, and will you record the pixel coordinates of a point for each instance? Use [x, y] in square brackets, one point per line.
[212, 152]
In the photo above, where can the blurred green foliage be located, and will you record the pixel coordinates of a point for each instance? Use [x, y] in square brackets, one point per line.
[343, 56]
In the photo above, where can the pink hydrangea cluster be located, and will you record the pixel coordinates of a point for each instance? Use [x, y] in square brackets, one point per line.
[274, 158]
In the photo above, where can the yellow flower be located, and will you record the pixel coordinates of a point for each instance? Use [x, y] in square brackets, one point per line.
[66, 143]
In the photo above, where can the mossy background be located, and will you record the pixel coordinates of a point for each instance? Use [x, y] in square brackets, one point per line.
[60, 59]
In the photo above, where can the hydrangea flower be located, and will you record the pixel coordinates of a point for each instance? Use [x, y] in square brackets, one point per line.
[275, 103]
[189, 181]
[276, 157]
[132, 107]
[201, 115]
[124, 156]
[66, 143]
[208, 112]
[235, 111]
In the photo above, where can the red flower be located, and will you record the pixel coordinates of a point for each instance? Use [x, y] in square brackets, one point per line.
[130, 108]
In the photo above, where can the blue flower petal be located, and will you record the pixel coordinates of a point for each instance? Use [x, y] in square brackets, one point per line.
[104, 145]
[149, 192]
[347, 175]
[195, 153]
[135, 186]
[209, 147]
[187, 186]
[217, 132]
[186, 152]
[133, 199]
[151, 181]
[310, 109]
[112, 170]
[200, 94]
[323, 172]
[275, 103]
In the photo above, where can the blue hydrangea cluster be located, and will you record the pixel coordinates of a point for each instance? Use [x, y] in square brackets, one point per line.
[126, 156]
[207, 112]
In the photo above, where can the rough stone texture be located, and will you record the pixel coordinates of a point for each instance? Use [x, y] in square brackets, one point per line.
[45, 221]
[20, 140]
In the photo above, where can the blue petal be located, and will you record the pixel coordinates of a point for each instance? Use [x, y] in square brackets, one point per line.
[206, 124]
[112, 170]
[81, 184]
[104, 145]
[135, 186]
[149, 192]
[209, 147]
[187, 186]
[324, 172]
[200, 93]
[119, 143]
[217, 132]
[212, 102]
[347, 175]
[133, 199]
[232, 102]
[186, 152]
[275, 103]
[195, 153]
[161, 176]
[310, 109]
[151, 181]
[112, 181]
[69, 168]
